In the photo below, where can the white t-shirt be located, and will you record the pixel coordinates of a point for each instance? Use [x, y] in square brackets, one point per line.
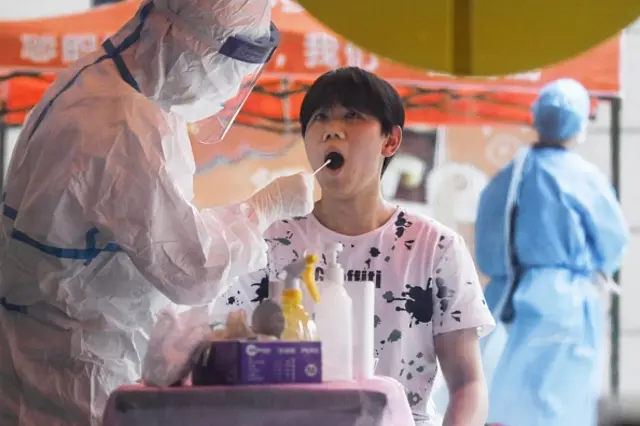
[426, 284]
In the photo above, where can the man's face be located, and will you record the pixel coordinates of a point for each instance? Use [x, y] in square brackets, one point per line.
[358, 138]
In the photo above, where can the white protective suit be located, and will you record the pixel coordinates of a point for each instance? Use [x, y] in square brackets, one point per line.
[98, 231]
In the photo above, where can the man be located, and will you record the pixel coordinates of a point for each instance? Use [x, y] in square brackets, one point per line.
[429, 304]
[548, 227]
[98, 232]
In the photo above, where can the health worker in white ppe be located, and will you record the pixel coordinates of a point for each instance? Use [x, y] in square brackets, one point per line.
[98, 231]
[549, 231]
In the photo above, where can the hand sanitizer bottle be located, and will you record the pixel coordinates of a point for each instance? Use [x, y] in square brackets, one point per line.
[334, 319]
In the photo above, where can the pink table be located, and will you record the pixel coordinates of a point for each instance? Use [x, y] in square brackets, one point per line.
[380, 401]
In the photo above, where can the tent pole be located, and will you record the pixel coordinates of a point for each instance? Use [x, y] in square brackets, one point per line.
[616, 107]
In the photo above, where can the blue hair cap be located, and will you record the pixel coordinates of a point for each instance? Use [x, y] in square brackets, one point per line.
[561, 110]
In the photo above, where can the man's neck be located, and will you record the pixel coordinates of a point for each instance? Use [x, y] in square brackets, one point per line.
[353, 217]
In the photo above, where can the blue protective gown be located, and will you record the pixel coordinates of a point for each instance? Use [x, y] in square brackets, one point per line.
[568, 226]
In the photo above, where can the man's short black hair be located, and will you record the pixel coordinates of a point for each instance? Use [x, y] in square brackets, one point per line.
[357, 89]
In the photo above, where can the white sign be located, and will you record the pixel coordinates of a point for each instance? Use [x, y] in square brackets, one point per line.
[39, 48]
[74, 46]
[44, 48]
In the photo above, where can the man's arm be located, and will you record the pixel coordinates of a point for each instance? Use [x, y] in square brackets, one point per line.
[459, 355]
[460, 316]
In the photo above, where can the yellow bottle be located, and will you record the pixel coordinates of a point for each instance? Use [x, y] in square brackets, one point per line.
[298, 323]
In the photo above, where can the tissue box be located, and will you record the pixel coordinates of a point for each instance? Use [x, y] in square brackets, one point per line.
[257, 362]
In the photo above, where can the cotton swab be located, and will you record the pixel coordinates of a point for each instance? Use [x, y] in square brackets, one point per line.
[321, 167]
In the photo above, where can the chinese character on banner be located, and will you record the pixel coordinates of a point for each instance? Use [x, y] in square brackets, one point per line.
[38, 48]
[321, 50]
[356, 57]
[74, 46]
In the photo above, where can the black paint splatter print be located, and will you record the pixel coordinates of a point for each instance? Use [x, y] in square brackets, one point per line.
[418, 303]
[414, 398]
[409, 370]
[262, 290]
[412, 368]
[394, 336]
[456, 315]
[233, 300]
[444, 294]
[285, 241]
[401, 224]
[373, 252]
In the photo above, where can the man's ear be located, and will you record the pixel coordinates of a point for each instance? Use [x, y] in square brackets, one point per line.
[392, 144]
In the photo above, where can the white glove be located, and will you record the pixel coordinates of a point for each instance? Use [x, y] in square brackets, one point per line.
[171, 344]
[284, 198]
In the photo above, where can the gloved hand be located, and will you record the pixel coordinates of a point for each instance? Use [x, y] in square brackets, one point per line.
[171, 344]
[284, 198]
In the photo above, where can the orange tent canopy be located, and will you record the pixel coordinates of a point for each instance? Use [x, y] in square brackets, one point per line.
[307, 49]
[21, 91]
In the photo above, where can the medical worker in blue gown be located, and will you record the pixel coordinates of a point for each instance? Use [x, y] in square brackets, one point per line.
[549, 230]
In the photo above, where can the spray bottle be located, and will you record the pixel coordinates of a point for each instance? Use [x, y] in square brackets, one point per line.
[298, 324]
[334, 321]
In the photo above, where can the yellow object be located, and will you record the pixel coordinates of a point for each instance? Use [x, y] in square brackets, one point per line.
[308, 276]
[475, 37]
[298, 325]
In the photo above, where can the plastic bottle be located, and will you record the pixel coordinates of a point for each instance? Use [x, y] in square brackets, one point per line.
[298, 323]
[363, 321]
[334, 321]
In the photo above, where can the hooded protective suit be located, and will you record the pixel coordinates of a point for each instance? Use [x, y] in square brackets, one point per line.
[98, 232]
[548, 223]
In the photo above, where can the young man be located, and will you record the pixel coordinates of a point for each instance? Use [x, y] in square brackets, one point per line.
[429, 305]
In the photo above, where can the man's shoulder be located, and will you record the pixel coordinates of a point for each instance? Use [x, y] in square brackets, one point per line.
[405, 223]
[289, 234]
[421, 225]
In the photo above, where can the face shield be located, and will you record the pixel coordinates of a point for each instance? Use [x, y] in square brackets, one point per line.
[244, 62]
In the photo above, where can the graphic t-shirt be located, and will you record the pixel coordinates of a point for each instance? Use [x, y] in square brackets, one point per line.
[426, 284]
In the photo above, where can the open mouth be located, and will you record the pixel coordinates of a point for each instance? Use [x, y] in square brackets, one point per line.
[336, 160]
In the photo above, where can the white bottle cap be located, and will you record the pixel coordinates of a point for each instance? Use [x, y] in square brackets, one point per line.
[335, 273]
